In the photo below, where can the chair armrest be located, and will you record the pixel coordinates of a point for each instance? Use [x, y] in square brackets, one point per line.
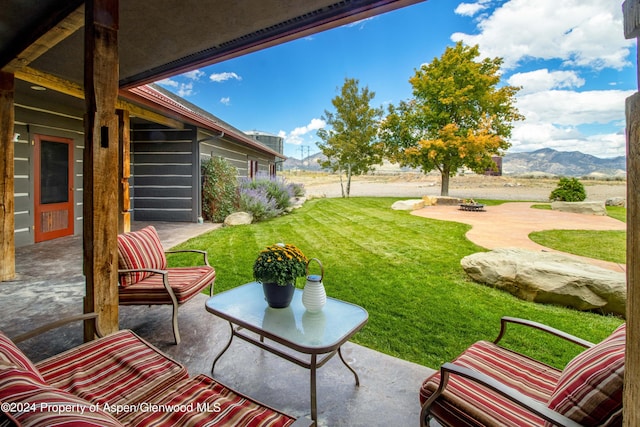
[540, 326]
[165, 280]
[140, 270]
[198, 251]
[515, 396]
[59, 323]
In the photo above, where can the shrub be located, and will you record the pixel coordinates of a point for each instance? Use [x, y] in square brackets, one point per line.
[266, 196]
[219, 189]
[295, 189]
[568, 190]
[257, 202]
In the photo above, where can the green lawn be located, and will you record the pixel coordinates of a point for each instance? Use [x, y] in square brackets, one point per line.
[406, 272]
[604, 245]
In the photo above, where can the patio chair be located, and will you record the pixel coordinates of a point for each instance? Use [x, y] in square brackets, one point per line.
[144, 278]
[489, 385]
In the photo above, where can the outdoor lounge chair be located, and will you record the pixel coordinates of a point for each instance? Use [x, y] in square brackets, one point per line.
[144, 278]
[489, 385]
[119, 380]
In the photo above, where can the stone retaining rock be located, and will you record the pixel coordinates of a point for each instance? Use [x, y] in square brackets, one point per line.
[589, 208]
[408, 205]
[550, 278]
[616, 201]
[238, 218]
[441, 201]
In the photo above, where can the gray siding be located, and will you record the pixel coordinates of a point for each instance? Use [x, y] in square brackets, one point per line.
[165, 174]
[237, 155]
[28, 123]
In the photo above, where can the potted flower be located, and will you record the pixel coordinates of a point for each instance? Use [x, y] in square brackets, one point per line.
[277, 268]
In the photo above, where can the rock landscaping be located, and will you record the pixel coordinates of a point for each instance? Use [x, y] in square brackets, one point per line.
[550, 278]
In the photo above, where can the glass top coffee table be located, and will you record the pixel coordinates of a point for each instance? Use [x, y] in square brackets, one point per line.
[317, 336]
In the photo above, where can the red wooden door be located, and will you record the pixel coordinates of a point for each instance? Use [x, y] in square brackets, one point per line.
[53, 187]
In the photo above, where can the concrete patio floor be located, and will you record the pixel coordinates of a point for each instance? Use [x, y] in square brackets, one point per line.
[50, 285]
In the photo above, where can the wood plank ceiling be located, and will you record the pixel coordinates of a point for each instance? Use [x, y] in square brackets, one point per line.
[165, 37]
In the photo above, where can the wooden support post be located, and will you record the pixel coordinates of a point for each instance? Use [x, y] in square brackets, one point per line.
[632, 356]
[7, 210]
[631, 398]
[124, 171]
[100, 210]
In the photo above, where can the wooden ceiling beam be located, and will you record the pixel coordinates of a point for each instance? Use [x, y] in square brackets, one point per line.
[72, 23]
[75, 90]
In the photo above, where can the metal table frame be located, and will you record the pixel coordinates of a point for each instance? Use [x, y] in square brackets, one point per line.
[318, 354]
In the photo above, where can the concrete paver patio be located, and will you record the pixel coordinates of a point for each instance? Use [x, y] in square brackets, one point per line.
[508, 225]
[50, 286]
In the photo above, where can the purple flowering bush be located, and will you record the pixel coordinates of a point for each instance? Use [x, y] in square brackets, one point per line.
[267, 196]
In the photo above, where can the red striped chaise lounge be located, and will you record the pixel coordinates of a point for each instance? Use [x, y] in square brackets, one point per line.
[489, 385]
[145, 279]
[119, 380]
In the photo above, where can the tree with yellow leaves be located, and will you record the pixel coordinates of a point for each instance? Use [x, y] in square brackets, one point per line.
[458, 116]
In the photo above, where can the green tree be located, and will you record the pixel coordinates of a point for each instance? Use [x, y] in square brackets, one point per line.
[351, 143]
[458, 116]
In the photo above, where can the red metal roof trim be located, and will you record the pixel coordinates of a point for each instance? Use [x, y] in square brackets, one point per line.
[151, 97]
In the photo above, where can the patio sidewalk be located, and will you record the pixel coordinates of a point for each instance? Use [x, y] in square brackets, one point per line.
[50, 285]
[508, 225]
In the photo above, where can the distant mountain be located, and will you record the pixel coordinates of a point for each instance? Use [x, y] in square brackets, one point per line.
[308, 163]
[565, 163]
[546, 161]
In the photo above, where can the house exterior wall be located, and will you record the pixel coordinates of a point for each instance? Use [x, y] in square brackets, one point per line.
[236, 154]
[165, 183]
[28, 123]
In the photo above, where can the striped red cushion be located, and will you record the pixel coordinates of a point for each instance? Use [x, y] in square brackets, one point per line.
[201, 401]
[467, 403]
[589, 390]
[140, 249]
[185, 282]
[10, 354]
[32, 403]
[117, 369]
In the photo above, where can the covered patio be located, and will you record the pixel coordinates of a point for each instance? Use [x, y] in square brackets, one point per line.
[104, 48]
[49, 280]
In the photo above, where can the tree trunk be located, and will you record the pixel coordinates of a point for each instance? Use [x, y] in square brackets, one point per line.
[348, 180]
[444, 187]
[341, 183]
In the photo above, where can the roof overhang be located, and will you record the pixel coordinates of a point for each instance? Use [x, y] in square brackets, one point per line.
[161, 38]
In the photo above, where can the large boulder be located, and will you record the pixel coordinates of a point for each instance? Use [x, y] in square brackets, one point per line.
[408, 205]
[551, 278]
[238, 218]
[588, 208]
[441, 201]
[616, 201]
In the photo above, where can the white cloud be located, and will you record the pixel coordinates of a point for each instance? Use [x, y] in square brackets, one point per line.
[297, 135]
[168, 82]
[529, 137]
[554, 119]
[221, 77]
[577, 32]
[470, 9]
[361, 23]
[563, 107]
[194, 75]
[225, 100]
[181, 89]
[539, 80]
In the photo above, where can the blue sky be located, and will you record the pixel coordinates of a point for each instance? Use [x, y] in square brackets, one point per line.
[570, 57]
